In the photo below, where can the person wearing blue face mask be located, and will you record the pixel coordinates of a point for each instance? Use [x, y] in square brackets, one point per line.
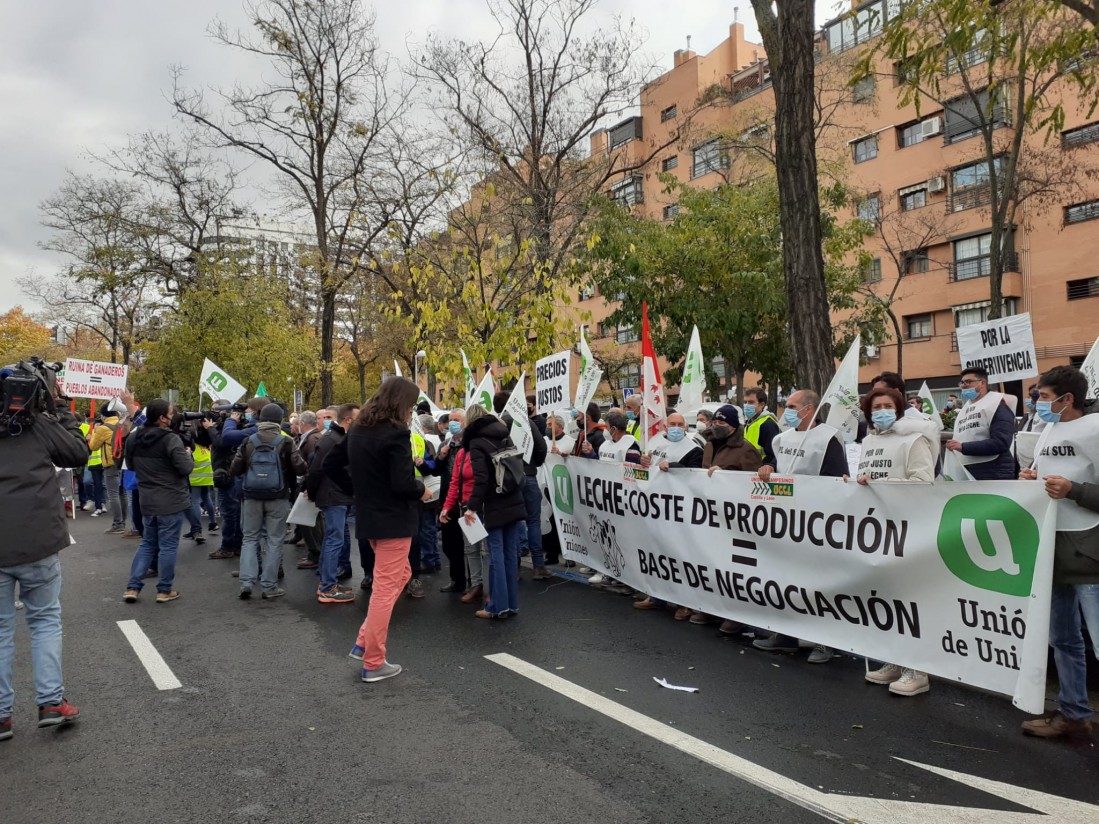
[1033, 422]
[896, 450]
[1068, 464]
[760, 426]
[235, 431]
[633, 415]
[673, 449]
[984, 431]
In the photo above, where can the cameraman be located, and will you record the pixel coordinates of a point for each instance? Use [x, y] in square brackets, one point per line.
[235, 430]
[35, 532]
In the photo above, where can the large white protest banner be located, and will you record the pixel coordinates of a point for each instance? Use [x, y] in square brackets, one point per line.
[218, 384]
[1003, 347]
[552, 382]
[951, 579]
[516, 407]
[93, 379]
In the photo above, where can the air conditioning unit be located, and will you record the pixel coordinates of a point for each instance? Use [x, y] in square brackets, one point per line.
[871, 351]
[936, 184]
[931, 127]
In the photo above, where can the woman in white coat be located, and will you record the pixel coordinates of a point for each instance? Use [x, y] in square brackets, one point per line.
[897, 449]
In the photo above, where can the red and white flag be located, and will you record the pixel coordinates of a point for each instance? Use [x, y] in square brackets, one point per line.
[654, 411]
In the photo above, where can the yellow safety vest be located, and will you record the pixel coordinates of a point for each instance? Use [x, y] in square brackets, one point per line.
[419, 449]
[96, 458]
[633, 427]
[751, 431]
[203, 473]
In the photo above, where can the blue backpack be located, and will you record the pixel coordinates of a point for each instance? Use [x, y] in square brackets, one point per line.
[263, 478]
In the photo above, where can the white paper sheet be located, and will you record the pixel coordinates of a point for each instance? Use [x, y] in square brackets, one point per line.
[304, 512]
[475, 531]
[664, 683]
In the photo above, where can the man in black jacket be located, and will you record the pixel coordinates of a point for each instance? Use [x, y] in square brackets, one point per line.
[34, 533]
[163, 465]
[334, 502]
[532, 495]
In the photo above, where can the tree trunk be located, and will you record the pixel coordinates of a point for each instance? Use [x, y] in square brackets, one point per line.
[897, 336]
[789, 40]
[328, 326]
[740, 386]
[362, 382]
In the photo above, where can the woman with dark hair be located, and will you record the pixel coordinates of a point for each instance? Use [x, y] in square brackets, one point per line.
[500, 511]
[387, 496]
[896, 450]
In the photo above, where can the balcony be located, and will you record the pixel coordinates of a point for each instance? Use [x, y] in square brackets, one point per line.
[749, 81]
[979, 267]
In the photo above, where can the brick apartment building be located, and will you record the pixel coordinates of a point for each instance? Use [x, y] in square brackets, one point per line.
[906, 165]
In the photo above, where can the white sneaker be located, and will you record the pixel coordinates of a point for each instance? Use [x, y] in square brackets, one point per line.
[18, 604]
[911, 682]
[98, 512]
[820, 654]
[585, 570]
[86, 506]
[886, 675]
[597, 578]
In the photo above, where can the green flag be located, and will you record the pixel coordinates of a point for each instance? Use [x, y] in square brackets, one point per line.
[261, 390]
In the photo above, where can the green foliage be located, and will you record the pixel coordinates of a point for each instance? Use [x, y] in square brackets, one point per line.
[717, 265]
[241, 322]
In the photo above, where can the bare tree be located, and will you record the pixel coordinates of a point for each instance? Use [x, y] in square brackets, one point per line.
[107, 286]
[325, 127]
[789, 34]
[527, 120]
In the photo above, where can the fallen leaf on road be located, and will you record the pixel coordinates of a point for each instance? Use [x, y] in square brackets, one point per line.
[312, 729]
[856, 726]
[560, 668]
[776, 666]
[690, 668]
[619, 689]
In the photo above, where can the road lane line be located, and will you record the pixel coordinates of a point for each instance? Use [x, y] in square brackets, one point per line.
[848, 809]
[158, 669]
[754, 774]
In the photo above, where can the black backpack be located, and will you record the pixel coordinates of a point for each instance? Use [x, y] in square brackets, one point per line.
[263, 478]
[508, 463]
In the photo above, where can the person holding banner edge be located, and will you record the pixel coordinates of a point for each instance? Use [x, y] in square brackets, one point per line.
[1068, 463]
[984, 431]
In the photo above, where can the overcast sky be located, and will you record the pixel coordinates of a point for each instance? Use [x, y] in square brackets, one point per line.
[78, 76]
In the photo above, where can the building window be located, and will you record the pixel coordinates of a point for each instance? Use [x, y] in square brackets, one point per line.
[978, 313]
[1080, 212]
[587, 291]
[971, 186]
[1080, 136]
[627, 376]
[863, 90]
[626, 334]
[963, 116]
[624, 132]
[867, 22]
[669, 163]
[918, 131]
[972, 257]
[912, 197]
[709, 157]
[671, 211]
[870, 208]
[669, 113]
[604, 330]
[628, 191]
[916, 262]
[919, 326]
[866, 149]
[1086, 288]
[871, 271]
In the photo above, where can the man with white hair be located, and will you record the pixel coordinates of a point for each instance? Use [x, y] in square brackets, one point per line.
[557, 439]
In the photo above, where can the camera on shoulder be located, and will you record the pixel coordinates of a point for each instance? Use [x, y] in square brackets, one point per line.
[27, 389]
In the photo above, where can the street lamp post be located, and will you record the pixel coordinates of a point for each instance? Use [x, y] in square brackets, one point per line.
[416, 366]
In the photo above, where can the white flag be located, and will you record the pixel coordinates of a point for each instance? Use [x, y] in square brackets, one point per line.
[927, 403]
[218, 385]
[471, 384]
[843, 394]
[1090, 368]
[484, 392]
[397, 367]
[590, 376]
[693, 383]
[516, 406]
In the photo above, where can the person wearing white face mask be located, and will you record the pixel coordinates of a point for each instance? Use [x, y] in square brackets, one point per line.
[702, 421]
[896, 450]
[1068, 463]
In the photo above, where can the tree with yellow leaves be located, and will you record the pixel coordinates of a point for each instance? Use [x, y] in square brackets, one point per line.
[21, 336]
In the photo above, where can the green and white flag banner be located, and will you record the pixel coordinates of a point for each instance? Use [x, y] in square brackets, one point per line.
[218, 384]
[951, 579]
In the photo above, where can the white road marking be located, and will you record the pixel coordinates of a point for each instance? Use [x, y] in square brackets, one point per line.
[838, 808]
[159, 671]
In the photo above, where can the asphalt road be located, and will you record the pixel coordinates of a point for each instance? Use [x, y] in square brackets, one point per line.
[272, 724]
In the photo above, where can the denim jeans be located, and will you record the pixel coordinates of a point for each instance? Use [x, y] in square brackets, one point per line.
[532, 497]
[429, 533]
[112, 477]
[1069, 653]
[263, 522]
[476, 562]
[99, 493]
[135, 511]
[1089, 606]
[202, 500]
[503, 569]
[40, 591]
[81, 487]
[229, 499]
[159, 543]
[335, 532]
